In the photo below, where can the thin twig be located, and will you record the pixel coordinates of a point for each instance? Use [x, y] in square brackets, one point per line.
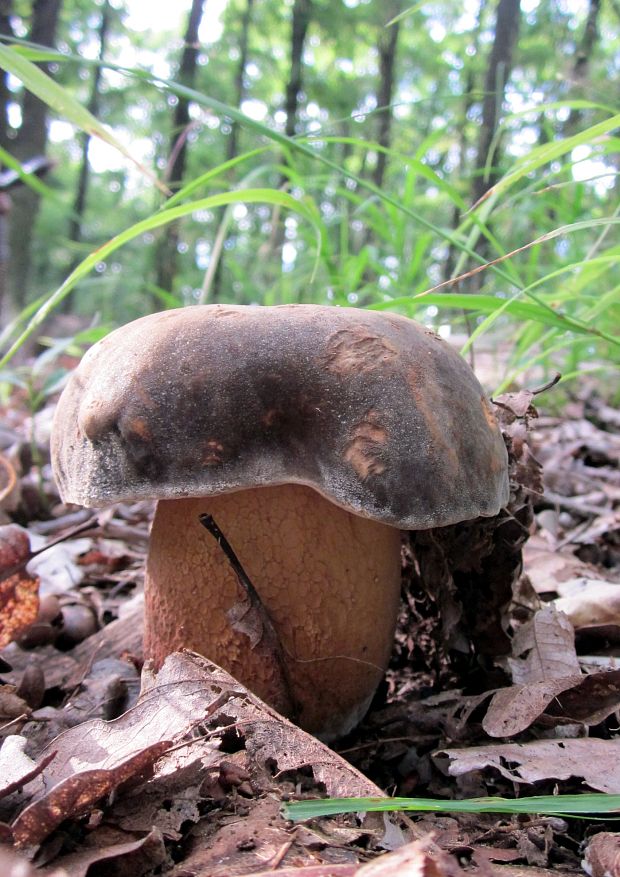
[29, 776]
[209, 523]
[554, 380]
[17, 567]
[11, 477]
[269, 636]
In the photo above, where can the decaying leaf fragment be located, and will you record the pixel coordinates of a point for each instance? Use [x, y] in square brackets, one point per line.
[595, 761]
[568, 699]
[75, 795]
[13, 709]
[95, 758]
[19, 592]
[422, 857]
[12, 865]
[589, 603]
[106, 852]
[470, 569]
[544, 648]
[602, 855]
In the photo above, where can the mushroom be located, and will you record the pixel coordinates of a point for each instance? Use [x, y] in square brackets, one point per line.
[312, 435]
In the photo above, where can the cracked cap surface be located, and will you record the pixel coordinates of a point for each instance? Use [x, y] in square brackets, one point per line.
[372, 410]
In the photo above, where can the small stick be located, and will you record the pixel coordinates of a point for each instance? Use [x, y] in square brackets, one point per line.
[80, 528]
[209, 523]
[269, 637]
[28, 777]
[11, 477]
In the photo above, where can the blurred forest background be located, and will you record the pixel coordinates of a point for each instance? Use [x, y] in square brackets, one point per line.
[342, 152]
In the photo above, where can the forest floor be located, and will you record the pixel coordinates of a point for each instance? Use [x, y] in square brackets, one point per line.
[186, 775]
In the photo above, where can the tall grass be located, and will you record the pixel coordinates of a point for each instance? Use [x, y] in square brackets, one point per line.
[552, 298]
[580, 805]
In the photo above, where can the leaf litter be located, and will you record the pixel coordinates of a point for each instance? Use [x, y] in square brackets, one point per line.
[504, 681]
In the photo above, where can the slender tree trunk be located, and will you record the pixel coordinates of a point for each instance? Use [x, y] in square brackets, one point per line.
[6, 30]
[31, 140]
[212, 285]
[581, 65]
[302, 12]
[386, 48]
[240, 85]
[388, 40]
[498, 72]
[166, 256]
[6, 7]
[79, 204]
[463, 143]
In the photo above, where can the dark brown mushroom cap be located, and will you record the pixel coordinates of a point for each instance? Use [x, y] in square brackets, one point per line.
[372, 410]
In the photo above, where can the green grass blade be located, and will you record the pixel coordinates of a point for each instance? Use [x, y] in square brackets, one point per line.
[412, 162]
[506, 304]
[62, 102]
[406, 13]
[30, 180]
[203, 179]
[487, 304]
[549, 152]
[584, 804]
[288, 145]
[250, 196]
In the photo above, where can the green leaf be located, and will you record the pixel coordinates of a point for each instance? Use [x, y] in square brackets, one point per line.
[62, 102]
[564, 805]
[549, 152]
[250, 196]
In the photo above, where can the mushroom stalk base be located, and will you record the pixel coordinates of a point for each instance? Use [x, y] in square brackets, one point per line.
[329, 581]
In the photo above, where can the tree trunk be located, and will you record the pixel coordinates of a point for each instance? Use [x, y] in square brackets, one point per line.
[212, 285]
[6, 30]
[498, 72]
[240, 87]
[386, 48]
[166, 256]
[31, 140]
[302, 11]
[302, 14]
[469, 99]
[387, 62]
[581, 66]
[79, 204]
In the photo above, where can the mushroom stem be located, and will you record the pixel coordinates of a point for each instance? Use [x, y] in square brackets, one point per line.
[329, 581]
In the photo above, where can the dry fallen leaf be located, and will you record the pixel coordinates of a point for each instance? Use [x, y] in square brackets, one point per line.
[57, 566]
[589, 603]
[544, 648]
[13, 708]
[588, 699]
[17, 769]
[602, 855]
[422, 858]
[93, 759]
[75, 795]
[123, 858]
[595, 761]
[12, 865]
[326, 870]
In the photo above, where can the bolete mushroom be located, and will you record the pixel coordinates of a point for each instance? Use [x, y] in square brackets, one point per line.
[313, 436]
